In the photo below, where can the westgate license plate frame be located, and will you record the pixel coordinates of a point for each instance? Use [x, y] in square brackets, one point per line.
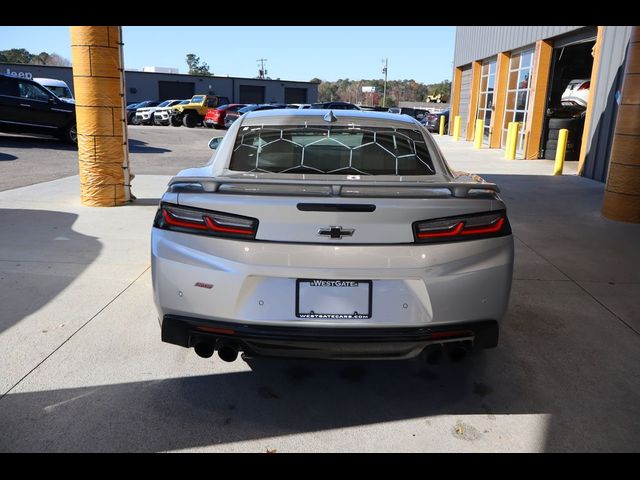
[346, 316]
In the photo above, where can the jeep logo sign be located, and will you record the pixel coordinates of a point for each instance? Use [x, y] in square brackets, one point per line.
[27, 75]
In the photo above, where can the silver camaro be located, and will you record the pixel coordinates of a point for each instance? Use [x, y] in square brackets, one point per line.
[330, 234]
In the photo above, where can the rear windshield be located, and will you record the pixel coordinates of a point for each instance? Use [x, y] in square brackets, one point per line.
[61, 92]
[331, 150]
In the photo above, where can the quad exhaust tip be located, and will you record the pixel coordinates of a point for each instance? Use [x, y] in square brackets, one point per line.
[432, 354]
[457, 351]
[204, 349]
[227, 352]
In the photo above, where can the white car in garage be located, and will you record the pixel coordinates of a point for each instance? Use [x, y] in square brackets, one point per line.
[577, 93]
[314, 233]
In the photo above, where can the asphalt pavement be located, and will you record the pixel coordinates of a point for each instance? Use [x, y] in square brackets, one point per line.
[153, 150]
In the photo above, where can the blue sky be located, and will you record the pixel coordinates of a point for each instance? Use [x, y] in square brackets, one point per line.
[424, 54]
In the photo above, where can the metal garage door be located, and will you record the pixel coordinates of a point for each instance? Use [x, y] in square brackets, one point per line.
[465, 98]
[251, 94]
[295, 95]
[175, 90]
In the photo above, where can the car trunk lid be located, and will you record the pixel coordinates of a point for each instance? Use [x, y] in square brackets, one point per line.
[335, 211]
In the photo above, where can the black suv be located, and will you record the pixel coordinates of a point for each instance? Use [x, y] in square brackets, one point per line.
[28, 107]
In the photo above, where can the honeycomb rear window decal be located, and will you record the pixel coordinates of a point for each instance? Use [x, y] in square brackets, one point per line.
[331, 150]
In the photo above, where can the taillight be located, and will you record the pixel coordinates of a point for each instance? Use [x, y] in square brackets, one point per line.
[205, 222]
[585, 86]
[463, 227]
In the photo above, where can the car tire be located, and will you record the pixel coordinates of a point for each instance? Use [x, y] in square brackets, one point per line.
[70, 134]
[553, 134]
[190, 119]
[135, 121]
[216, 126]
[558, 123]
[175, 121]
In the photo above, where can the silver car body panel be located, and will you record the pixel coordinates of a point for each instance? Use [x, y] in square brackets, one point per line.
[254, 282]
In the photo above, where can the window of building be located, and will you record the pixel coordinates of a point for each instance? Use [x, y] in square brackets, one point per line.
[518, 90]
[486, 97]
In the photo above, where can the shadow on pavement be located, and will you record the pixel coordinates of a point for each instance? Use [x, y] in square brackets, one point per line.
[29, 141]
[5, 157]
[139, 146]
[529, 373]
[40, 255]
[279, 397]
[146, 202]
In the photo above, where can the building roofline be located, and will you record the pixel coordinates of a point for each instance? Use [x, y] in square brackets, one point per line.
[175, 74]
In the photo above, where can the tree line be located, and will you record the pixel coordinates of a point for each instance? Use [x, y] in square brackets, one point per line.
[22, 55]
[346, 90]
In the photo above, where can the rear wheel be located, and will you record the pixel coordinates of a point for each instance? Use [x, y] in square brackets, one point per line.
[175, 121]
[190, 119]
[70, 134]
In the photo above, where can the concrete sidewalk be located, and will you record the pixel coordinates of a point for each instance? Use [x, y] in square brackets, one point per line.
[84, 369]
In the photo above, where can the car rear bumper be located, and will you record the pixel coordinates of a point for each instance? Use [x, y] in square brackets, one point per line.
[333, 343]
[254, 282]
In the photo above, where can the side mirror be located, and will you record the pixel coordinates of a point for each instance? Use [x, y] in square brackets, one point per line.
[214, 143]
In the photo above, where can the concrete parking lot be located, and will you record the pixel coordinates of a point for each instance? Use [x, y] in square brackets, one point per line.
[84, 369]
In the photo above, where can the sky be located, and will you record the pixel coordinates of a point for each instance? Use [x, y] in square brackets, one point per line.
[424, 54]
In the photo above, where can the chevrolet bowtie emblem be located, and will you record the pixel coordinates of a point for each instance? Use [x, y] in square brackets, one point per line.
[336, 232]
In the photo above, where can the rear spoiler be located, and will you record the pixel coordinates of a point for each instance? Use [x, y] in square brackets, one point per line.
[319, 188]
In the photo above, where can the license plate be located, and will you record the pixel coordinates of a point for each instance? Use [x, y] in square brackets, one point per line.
[347, 299]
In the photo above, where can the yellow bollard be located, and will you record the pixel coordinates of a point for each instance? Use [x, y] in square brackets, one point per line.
[456, 128]
[441, 125]
[477, 144]
[513, 141]
[507, 147]
[560, 151]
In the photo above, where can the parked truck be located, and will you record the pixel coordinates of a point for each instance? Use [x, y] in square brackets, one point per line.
[193, 113]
